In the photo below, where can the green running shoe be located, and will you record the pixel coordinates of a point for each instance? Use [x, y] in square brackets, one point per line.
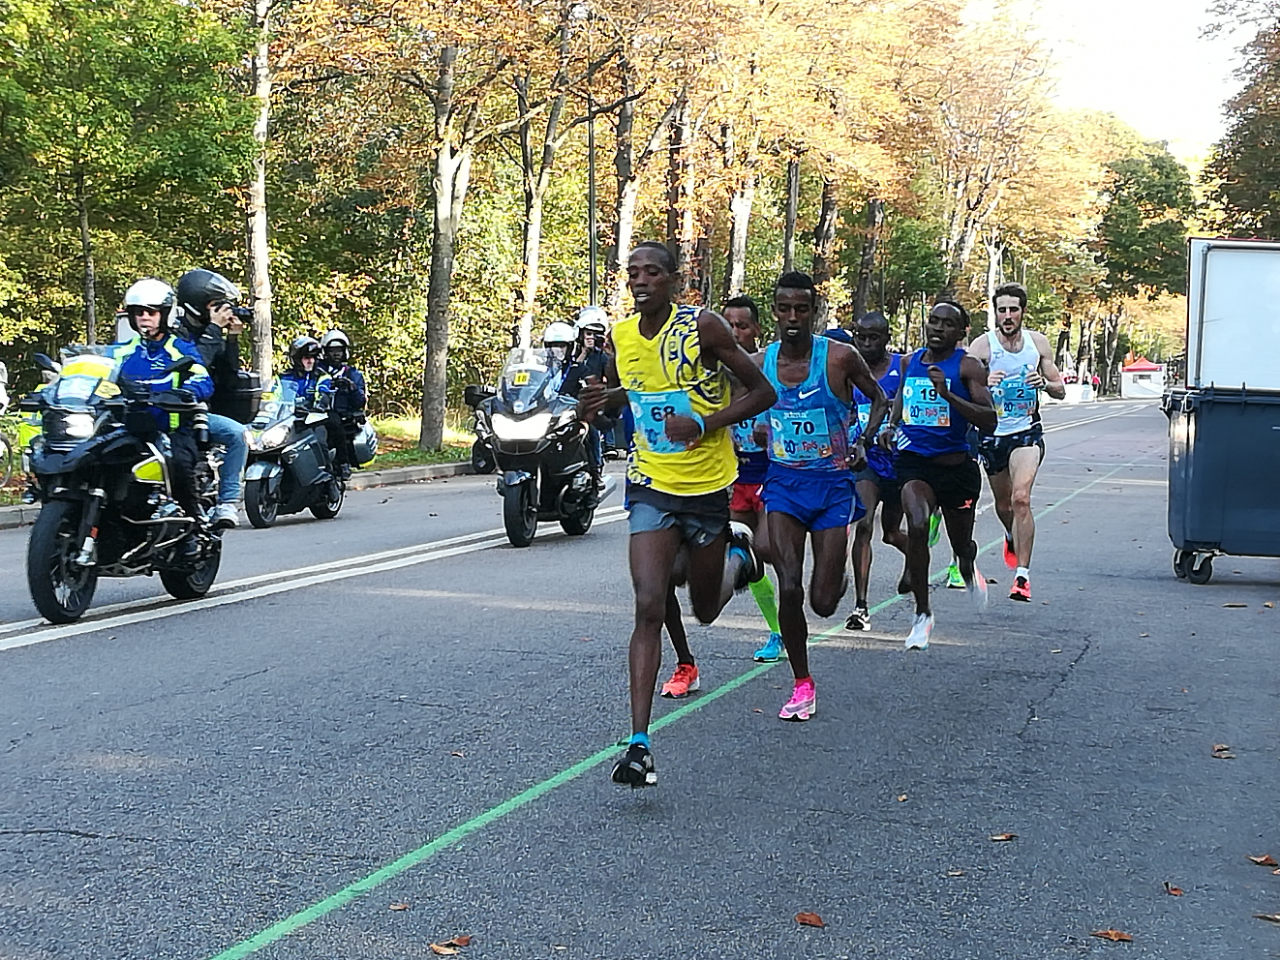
[935, 527]
[954, 580]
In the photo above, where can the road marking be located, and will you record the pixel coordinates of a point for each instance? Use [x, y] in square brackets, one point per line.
[1081, 423]
[413, 858]
[300, 579]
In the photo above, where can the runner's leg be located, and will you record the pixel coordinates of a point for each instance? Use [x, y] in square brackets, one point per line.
[675, 629]
[918, 503]
[1002, 492]
[895, 536]
[1024, 463]
[869, 493]
[788, 536]
[652, 556]
[713, 573]
[828, 583]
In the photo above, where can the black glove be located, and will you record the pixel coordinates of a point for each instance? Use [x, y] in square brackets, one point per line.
[343, 384]
[174, 397]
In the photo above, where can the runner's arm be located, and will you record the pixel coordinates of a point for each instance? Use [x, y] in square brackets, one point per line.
[1048, 377]
[716, 340]
[596, 397]
[859, 375]
[978, 409]
[884, 439]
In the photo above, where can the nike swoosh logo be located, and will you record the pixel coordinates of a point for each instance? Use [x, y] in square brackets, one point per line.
[806, 396]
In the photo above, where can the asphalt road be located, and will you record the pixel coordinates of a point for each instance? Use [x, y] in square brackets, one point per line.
[266, 772]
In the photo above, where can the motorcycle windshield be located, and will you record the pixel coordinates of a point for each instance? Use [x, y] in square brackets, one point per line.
[87, 373]
[531, 375]
[277, 401]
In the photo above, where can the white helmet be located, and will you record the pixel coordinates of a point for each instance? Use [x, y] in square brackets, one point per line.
[153, 294]
[558, 332]
[592, 318]
[335, 336]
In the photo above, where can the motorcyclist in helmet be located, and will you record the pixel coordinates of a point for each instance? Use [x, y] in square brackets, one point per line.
[314, 386]
[559, 339]
[207, 301]
[150, 305]
[591, 328]
[349, 397]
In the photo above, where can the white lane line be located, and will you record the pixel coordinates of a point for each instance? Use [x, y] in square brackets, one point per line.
[427, 553]
[1081, 423]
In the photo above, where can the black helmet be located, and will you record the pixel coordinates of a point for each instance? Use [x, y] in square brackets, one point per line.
[154, 295]
[303, 347]
[199, 288]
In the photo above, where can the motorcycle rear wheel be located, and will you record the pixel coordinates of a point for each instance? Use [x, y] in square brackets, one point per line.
[520, 512]
[60, 589]
[194, 582]
[335, 493]
[260, 504]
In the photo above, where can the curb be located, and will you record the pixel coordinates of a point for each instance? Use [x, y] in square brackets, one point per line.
[21, 515]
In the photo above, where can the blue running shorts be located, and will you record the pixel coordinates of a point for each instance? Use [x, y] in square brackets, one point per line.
[819, 499]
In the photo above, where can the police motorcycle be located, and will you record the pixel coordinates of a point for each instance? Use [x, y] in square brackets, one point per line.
[539, 445]
[101, 470]
[290, 468]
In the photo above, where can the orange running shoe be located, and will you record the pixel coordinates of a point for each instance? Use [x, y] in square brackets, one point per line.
[1010, 558]
[1021, 590]
[682, 683]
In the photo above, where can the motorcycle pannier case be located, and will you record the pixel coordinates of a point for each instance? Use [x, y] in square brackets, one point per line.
[305, 457]
[366, 444]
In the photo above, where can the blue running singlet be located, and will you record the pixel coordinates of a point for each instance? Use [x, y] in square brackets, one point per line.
[881, 461]
[809, 424]
[931, 427]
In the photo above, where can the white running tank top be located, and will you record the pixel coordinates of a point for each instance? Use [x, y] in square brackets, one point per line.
[1017, 403]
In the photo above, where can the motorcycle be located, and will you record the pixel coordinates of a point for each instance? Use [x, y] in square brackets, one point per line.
[291, 468]
[539, 446]
[482, 449]
[101, 471]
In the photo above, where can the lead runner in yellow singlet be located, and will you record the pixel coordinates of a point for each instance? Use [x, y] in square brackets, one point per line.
[669, 364]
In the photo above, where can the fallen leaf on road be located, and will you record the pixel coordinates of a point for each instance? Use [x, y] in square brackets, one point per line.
[1223, 756]
[1219, 747]
[809, 920]
[463, 941]
[1144, 634]
[1276, 872]
[399, 906]
[1172, 890]
[1269, 605]
[1118, 936]
[1236, 605]
[456, 753]
[955, 873]
[992, 580]
[902, 797]
[586, 639]
[1269, 917]
[441, 950]
[1266, 860]
[1059, 650]
[1003, 837]
[757, 710]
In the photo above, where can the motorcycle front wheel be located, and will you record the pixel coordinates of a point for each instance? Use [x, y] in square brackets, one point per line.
[60, 588]
[194, 582]
[579, 523]
[260, 504]
[335, 492]
[520, 512]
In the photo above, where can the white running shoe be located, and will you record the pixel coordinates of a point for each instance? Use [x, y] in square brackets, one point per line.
[978, 589]
[918, 638]
[225, 515]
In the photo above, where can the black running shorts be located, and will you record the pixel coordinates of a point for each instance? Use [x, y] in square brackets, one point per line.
[956, 486]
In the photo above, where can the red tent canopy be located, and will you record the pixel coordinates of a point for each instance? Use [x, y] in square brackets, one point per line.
[1143, 365]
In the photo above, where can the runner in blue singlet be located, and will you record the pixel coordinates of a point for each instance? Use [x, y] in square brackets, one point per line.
[877, 482]
[943, 391]
[809, 489]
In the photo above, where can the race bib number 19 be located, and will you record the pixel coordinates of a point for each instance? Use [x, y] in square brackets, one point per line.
[650, 410]
[921, 405]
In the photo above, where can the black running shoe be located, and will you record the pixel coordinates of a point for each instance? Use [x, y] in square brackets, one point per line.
[635, 768]
[740, 536]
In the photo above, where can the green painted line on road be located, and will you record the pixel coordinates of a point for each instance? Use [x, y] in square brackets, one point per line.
[428, 850]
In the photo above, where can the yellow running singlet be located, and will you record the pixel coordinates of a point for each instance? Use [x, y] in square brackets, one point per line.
[666, 376]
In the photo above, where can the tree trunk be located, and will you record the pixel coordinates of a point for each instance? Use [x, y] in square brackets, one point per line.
[867, 262]
[824, 246]
[259, 253]
[995, 274]
[1084, 351]
[1062, 351]
[1111, 355]
[735, 274]
[791, 215]
[536, 168]
[681, 225]
[86, 250]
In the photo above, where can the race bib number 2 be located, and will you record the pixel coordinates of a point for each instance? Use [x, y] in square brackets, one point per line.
[1013, 398]
[650, 411]
[921, 405]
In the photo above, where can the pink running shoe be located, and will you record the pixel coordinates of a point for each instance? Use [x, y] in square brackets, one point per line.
[803, 703]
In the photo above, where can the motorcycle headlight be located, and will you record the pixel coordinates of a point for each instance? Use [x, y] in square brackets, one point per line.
[528, 428]
[273, 436]
[68, 426]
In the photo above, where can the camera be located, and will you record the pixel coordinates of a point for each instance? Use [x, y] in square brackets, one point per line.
[244, 314]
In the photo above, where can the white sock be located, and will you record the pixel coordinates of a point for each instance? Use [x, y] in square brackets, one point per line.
[1023, 572]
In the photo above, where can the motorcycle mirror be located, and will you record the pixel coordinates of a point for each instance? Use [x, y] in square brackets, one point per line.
[46, 363]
